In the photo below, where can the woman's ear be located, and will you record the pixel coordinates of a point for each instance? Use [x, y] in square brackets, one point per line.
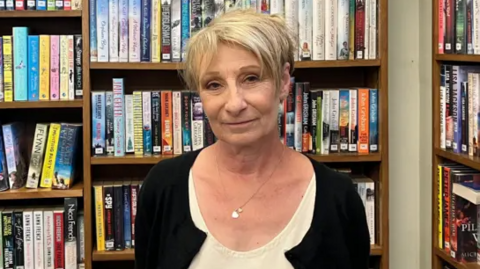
[286, 83]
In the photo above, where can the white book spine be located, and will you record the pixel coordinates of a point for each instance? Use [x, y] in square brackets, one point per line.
[48, 233]
[155, 27]
[343, 33]
[147, 114]
[28, 236]
[373, 30]
[305, 29]
[326, 122]
[370, 209]
[470, 117]
[129, 133]
[476, 108]
[177, 122]
[81, 240]
[330, 29]
[71, 58]
[123, 33]
[102, 30]
[291, 18]
[318, 30]
[476, 26]
[277, 7]
[175, 28]
[198, 136]
[334, 120]
[64, 67]
[38, 240]
[113, 24]
[134, 18]
[37, 155]
[366, 32]
[442, 117]
[352, 122]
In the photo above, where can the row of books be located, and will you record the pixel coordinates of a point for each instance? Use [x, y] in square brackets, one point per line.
[42, 236]
[158, 31]
[46, 5]
[458, 216]
[40, 67]
[53, 156]
[317, 121]
[115, 208]
[458, 27]
[460, 108]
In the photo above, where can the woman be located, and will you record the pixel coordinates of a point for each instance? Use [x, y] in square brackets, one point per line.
[247, 201]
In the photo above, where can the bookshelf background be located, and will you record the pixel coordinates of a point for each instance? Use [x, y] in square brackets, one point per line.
[370, 73]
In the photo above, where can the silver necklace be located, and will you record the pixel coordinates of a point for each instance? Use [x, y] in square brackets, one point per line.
[236, 213]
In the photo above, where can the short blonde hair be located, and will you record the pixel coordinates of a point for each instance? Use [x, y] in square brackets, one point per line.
[266, 36]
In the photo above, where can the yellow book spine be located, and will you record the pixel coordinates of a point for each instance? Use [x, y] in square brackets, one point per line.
[64, 67]
[100, 225]
[138, 123]
[50, 155]
[44, 66]
[7, 68]
[440, 207]
[156, 30]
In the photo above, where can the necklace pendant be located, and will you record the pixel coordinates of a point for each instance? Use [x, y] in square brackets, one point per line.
[236, 213]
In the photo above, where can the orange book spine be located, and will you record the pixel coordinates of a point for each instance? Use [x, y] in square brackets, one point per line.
[167, 125]
[363, 120]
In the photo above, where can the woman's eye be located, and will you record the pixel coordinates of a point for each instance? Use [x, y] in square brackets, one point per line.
[213, 86]
[251, 78]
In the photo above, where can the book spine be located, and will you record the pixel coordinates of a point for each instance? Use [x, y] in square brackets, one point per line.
[30, 4]
[363, 120]
[352, 122]
[195, 16]
[343, 29]
[127, 228]
[98, 123]
[129, 129]
[442, 108]
[93, 30]
[33, 56]
[2, 93]
[99, 217]
[49, 237]
[291, 19]
[313, 121]
[109, 217]
[166, 35]
[373, 30]
[359, 30]
[38, 151]
[118, 117]
[197, 122]
[66, 157]
[460, 26]
[64, 67]
[464, 117]
[113, 25]
[8, 239]
[156, 31]
[109, 123]
[44, 68]
[20, 61]
[58, 4]
[167, 127]
[208, 10]
[156, 124]
[145, 31]
[8, 68]
[306, 135]
[10, 4]
[476, 109]
[19, 5]
[334, 121]
[298, 116]
[305, 19]
[475, 23]
[81, 239]
[19, 252]
[118, 217]
[373, 124]
[134, 21]
[177, 122]
[344, 116]
[102, 30]
[134, 195]
[138, 123]
[71, 67]
[176, 27]
[59, 260]
[50, 155]
[185, 21]
[186, 121]
[318, 25]
[123, 31]
[39, 238]
[71, 237]
[9, 143]
[470, 117]
[330, 30]
[55, 67]
[28, 239]
[147, 122]
[78, 76]
[326, 120]
[290, 116]
[366, 29]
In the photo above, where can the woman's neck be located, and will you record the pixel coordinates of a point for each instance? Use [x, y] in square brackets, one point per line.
[253, 160]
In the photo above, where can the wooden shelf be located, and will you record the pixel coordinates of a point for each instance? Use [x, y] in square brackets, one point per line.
[41, 193]
[473, 162]
[177, 66]
[458, 265]
[40, 14]
[40, 104]
[132, 159]
[457, 58]
[129, 254]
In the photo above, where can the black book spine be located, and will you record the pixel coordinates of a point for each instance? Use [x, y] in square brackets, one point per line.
[8, 240]
[313, 121]
[18, 239]
[78, 66]
[118, 217]
[186, 121]
[156, 124]
[108, 215]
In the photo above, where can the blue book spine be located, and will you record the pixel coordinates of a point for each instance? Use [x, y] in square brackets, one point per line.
[127, 223]
[118, 117]
[185, 25]
[98, 123]
[33, 58]
[145, 31]
[66, 157]
[93, 31]
[102, 30]
[20, 63]
[373, 120]
[4, 185]
[41, 5]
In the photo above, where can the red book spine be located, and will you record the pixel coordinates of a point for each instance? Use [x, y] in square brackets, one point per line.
[441, 26]
[359, 29]
[59, 240]
[133, 211]
[19, 4]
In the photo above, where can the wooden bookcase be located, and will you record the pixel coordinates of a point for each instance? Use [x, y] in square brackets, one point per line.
[334, 74]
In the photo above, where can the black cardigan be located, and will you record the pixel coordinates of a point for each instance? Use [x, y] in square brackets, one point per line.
[167, 238]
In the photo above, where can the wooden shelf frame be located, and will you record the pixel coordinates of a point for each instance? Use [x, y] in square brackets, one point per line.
[40, 13]
[41, 104]
[42, 193]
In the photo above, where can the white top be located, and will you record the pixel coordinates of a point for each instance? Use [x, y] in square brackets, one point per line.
[213, 255]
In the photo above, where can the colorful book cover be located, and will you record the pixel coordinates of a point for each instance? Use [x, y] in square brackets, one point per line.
[363, 120]
[373, 120]
[41, 5]
[44, 67]
[185, 21]
[118, 117]
[2, 95]
[138, 123]
[344, 115]
[14, 144]
[93, 30]
[102, 30]
[147, 122]
[197, 121]
[127, 228]
[4, 183]
[7, 69]
[54, 67]
[186, 121]
[20, 63]
[156, 123]
[37, 155]
[33, 65]
[98, 122]
[167, 124]
[109, 122]
[145, 31]
[129, 129]
[352, 122]
[134, 22]
[64, 171]
[290, 116]
[177, 122]
[50, 155]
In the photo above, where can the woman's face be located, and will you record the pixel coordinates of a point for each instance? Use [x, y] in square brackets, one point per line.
[241, 106]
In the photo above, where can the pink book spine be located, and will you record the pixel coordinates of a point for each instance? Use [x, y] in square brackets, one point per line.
[54, 67]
